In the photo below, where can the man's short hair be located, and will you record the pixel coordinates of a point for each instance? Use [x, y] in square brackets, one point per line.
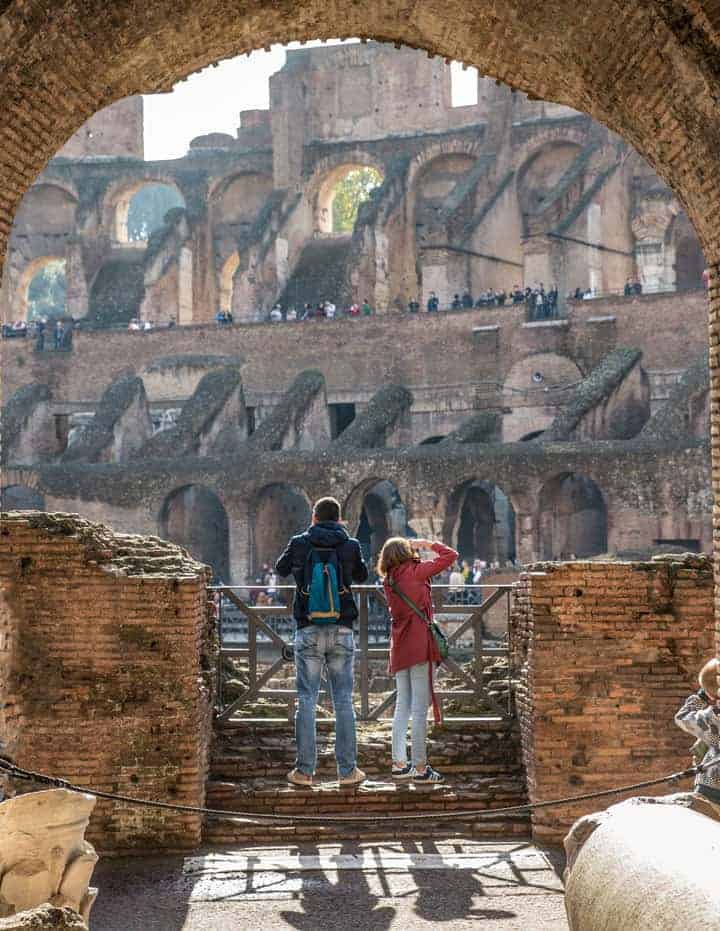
[327, 509]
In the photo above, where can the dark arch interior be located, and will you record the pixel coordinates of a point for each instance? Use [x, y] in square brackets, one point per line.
[195, 518]
[22, 498]
[116, 294]
[282, 510]
[481, 523]
[383, 515]
[572, 519]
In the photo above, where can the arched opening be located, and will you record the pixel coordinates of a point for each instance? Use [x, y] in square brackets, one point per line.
[538, 184]
[116, 294]
[141, 210]
[282, 510]
[46, 290]
[341, 194]
[480, 523]
[382, 515]
[22, 498]
[45, 210]
[431, 440]
[227, 276]
[238, 201]
[194, 517]
[572, 518]
[535, 389]
[689, 263]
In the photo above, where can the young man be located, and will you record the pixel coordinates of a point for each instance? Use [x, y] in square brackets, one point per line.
[321, 642]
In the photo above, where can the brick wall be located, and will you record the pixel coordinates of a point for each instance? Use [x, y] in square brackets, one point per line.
[606, 654]
[105, 646]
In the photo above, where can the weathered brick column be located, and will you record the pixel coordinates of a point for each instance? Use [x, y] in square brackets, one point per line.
[105, 651]
[606, 652]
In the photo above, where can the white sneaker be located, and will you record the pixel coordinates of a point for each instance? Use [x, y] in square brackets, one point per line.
[354, 778]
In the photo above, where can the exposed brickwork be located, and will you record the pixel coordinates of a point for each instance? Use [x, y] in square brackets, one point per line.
[104, 657]
[606, 652]
[480, 760]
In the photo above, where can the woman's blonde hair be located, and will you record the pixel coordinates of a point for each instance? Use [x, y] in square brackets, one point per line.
[395, 551]
[708, 677]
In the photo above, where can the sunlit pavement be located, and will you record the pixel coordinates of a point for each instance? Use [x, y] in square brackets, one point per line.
[374, 887]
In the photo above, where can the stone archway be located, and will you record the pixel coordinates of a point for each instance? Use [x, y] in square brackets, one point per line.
[195, 517]
[668, 111]
[572, 518]
[480, 523]
[281, 510]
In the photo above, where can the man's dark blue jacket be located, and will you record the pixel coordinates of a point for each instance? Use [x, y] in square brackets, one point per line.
[325, 533]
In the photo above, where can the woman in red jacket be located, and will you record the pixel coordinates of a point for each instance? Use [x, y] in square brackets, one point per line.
[412, 648]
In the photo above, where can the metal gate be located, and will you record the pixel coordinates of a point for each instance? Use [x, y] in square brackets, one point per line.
[248, 630]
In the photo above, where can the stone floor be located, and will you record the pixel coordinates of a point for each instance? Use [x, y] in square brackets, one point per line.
[354, 887]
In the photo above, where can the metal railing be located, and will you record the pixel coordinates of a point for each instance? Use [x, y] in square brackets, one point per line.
[262, 636]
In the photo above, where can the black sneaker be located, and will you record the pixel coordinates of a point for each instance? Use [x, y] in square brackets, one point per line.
[426, 775]
[404, 773]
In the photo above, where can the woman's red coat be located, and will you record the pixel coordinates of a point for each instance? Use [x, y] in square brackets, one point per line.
[410, 640]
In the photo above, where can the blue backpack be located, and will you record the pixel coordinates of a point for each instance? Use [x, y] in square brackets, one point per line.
[322, 578]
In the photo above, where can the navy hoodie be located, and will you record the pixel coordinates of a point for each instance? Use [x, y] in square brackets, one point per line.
[326, 533]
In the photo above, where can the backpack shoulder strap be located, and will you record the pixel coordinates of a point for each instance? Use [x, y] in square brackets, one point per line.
[408, 601]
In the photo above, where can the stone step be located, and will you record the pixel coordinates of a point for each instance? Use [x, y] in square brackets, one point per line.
[229, 832]
[260, 795]
[375, 798]
[241, 768]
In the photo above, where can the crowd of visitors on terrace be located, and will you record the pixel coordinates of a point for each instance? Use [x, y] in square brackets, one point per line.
[264, 588]
[48, 334]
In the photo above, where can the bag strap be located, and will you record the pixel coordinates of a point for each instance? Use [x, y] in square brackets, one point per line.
[409, 602]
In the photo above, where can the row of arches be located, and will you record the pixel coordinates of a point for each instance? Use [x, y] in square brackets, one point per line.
[480, 521]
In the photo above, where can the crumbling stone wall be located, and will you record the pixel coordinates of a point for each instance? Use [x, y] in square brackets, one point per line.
[605, 653]
[105, 659]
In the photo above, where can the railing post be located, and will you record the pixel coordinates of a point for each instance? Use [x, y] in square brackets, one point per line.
[252, 653]
[220, 667]
[364, 658]
[478, 658]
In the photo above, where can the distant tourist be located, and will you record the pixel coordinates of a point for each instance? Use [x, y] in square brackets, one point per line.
[58, 334]
[628, 289]
[467, 300]
[413, 306]
[40, 335]
[457, 584]
[456, 302]
[291, 315]
[366, 309]
[354, 309]
[413, 650]
[433, 304]
[637, 287]
[330, 310]
[276, 314]
[324, 561]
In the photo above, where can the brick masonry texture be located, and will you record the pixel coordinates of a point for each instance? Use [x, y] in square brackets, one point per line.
[606, 653]
[105, 647]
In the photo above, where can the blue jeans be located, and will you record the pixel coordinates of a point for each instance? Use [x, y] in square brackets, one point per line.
[316, 646]
[413, 698]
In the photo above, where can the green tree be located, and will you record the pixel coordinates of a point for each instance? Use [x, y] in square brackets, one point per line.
[350, 192]
[46, 292]
[148, 207]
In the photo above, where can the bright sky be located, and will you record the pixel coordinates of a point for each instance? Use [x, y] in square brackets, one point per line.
[211, 100]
